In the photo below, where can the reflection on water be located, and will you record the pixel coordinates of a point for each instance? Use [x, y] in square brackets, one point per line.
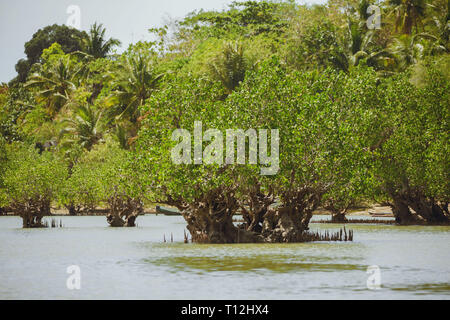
[425, 288]
[134, 263]
[253, 263]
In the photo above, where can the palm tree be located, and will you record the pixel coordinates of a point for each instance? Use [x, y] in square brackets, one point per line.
[55, 84]
[357, 45]
[408, 14]
[136, 82]
[85, 128]
[230, 66]
[96, 45]
[440, 23]
[408, 50]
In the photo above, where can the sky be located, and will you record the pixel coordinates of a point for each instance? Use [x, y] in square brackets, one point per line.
[126, 20]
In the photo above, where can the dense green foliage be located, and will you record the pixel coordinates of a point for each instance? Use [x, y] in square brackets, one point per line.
[31, 182]
[68, 38]
[362, 114]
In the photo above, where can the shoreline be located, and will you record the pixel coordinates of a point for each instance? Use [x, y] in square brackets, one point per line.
[377, 209]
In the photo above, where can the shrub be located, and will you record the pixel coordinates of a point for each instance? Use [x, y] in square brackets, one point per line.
[31, 182]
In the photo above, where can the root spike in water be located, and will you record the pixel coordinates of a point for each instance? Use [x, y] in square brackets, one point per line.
[186, 240]
[341, 235]
[54, 223]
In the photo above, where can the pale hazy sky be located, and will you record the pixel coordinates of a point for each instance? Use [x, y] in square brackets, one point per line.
[126, 20]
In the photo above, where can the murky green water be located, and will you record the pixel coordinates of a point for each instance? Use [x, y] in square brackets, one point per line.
[135, 263]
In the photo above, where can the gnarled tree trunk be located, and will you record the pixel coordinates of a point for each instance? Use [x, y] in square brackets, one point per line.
[209, 226]
[255, 207]
[337, 211]
[402, 213]
[283, 225]
[123, 211]
[73, 209]
[210, 218]
[289, 222]
[32, 212]
[426, 210]
[338, 217]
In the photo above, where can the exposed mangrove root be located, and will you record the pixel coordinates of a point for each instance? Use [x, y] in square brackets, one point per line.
[341, 235]
[32, 212]
[255, 207]
[338, 210]
[171, 238]
[339, 218]
[77, 210]
[123, 211]
[74, 210]
[54, 223]
[210, 218]
[411, 207]
[289, 222]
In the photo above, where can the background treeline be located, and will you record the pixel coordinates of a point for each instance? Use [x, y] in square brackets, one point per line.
[363, 116]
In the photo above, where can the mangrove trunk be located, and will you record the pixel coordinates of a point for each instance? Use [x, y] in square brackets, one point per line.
[123, 211]
[32, 212]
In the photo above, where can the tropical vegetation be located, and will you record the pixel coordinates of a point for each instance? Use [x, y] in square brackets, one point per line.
[362, 114]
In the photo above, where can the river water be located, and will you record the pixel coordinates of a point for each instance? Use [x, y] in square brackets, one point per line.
[135, 263]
